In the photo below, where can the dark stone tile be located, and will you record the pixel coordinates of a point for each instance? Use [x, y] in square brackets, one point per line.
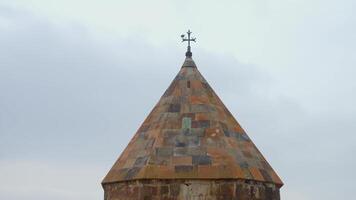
[183, 168]
[201, 108]
[206, 86]
[200, 132]
[180, 77]
[247, 154]
[223, 126]
[193, 141]
[201, 124]
[144, 128]
[187, 132]
[164, 151]
[190, 115]
[174, 108]
[142, 135]
[196, 151]
[149, 143]
[243, 164]
[201, 160]
[247, 173]
[160, 160]
[180, 144]
[132, 172]
[227, 133]
[266, 176]
[242, 137]
[141, 161]
[180, 151]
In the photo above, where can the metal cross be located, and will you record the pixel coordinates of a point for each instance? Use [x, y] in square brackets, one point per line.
[184, 39]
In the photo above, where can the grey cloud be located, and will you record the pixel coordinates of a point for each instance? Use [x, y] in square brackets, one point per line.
[73, 101]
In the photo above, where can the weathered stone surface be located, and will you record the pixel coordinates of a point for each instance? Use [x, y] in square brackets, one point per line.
[191, 190]
[190, 147]
[191, 134]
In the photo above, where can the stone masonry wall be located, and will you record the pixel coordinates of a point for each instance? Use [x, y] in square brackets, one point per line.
[191, 190]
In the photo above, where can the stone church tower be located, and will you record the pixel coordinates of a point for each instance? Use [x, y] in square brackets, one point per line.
[190, 147]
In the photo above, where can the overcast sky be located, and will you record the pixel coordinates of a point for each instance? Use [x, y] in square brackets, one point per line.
[77, 78]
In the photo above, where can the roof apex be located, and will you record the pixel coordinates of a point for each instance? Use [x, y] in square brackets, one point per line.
[189, 62]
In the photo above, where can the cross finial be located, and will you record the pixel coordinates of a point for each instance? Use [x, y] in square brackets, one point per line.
[184, 39]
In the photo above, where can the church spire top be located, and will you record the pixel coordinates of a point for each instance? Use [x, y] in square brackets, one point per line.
[188, 39]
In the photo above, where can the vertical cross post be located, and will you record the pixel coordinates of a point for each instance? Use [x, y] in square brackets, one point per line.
[189, 39]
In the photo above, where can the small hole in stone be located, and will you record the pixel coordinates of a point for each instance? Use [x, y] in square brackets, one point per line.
[188, 84]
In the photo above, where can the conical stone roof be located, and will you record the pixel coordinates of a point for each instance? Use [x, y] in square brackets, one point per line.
[190, 134]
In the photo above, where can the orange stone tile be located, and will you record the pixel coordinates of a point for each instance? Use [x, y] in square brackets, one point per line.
[196, 84]
[159, 142]
[225, 171]
[185, 108]
[193, 173]
[237, 172]
[160, 171]
[218, 161]
[238, 129]
[214, 151]
[125, 154]
[129, 163]
[201, 116]
[233, 143]
[206, 171]
[198, 100]
[118, 164]
[113, 175]
[221, 113]
[153, 133]
[182, 160]
[177, 92]
[213, 132]
[256, 174]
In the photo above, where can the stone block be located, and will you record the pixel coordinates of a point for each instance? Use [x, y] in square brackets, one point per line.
[191, 189]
